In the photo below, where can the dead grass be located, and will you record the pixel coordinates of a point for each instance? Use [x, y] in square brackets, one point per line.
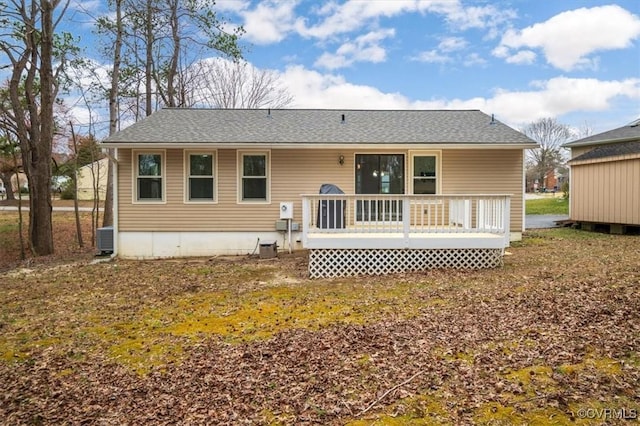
[551, 335]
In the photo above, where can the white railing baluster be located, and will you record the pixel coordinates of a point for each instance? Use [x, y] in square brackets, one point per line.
[406, 214]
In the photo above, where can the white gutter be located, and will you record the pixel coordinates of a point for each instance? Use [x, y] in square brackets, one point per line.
[298, 145]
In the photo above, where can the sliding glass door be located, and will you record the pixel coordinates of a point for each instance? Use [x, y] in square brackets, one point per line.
[379, 174]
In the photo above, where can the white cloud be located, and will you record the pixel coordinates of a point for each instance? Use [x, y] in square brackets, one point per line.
[232, 5]
[312, 89]
[552, 98]
[473, 60]
[441, 54]
[449, 44]
[569, 37]
[489, 17]
[522, 57]
[365, 48]
[549, 98]
[433, 57]
[353, 15]
[84, 119]
[270, 22]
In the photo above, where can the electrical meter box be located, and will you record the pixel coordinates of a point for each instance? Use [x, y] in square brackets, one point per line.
[286, 210]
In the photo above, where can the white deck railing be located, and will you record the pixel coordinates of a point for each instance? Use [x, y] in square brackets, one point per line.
[405, 214]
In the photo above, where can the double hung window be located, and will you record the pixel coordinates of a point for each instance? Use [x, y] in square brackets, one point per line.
[254, 176]
[149, 176]
[425, 173]
[201, 177]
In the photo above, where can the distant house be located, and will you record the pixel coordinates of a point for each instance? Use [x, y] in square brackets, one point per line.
[605, 178]
[419, 189]
[91, 178]
[552, 182]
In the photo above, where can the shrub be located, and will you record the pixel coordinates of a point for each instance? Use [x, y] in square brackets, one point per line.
[565, 190]
[67, 192]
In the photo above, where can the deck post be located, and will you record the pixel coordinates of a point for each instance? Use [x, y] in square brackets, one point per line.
[406, 220]
[306, 222]
[505, 221]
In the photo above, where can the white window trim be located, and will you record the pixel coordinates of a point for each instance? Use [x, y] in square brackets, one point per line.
[134, 175]
[187, 175]
[426, 153]
[239, 166]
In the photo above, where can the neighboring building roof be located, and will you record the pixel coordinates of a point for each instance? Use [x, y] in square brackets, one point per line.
[318, 127]
[612, 150]
[625, 133]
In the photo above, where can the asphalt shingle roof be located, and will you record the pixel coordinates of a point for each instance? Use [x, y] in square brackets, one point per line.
[242, 126]
[612, 150]
[630, 131]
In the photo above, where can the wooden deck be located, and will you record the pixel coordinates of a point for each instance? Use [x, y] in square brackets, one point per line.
[406, 221]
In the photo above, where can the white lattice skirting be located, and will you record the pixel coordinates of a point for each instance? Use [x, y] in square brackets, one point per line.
[327, 263]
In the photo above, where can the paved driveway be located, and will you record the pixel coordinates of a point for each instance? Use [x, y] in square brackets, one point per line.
[535, 221]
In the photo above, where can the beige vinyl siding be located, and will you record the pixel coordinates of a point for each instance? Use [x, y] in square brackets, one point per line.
[486, 172]
[606, 191]
[292, 173]
[296, 172]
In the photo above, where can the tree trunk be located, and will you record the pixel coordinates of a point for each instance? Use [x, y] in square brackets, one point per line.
[41, 228]
[148, 69]
[175, 54]
[107, 218]
[8, 185]
[23, 254]
[40, 224]
[107, 215]
[75, 187]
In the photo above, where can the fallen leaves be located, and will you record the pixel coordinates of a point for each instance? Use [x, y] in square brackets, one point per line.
[235, 341]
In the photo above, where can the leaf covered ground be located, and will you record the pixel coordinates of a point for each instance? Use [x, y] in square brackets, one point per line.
[550, 338]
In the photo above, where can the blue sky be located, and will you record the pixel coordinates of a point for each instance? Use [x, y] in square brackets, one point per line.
[578, 61]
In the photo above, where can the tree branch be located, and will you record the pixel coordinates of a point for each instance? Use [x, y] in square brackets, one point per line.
[388, 392]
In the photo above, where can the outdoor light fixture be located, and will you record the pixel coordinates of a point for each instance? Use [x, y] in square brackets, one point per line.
[341, 159]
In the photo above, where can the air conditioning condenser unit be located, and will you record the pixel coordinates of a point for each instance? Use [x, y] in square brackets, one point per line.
[104, 240]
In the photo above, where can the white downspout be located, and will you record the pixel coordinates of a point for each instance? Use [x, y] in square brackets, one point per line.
[114, 180]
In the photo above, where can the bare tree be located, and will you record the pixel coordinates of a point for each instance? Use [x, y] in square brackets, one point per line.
[114, 91]
[220, 83]
[551, 135]
[146, 40]
[9, 163]
[30, 46]
[585, 130]
[155, 34]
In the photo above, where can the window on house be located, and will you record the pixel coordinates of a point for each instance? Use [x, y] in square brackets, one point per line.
[254, 169]
[201, 180]
[149, 177]
[425, 174]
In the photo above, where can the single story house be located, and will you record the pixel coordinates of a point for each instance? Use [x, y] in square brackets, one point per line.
[92, 180]
[411, 189]
[605, 178]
